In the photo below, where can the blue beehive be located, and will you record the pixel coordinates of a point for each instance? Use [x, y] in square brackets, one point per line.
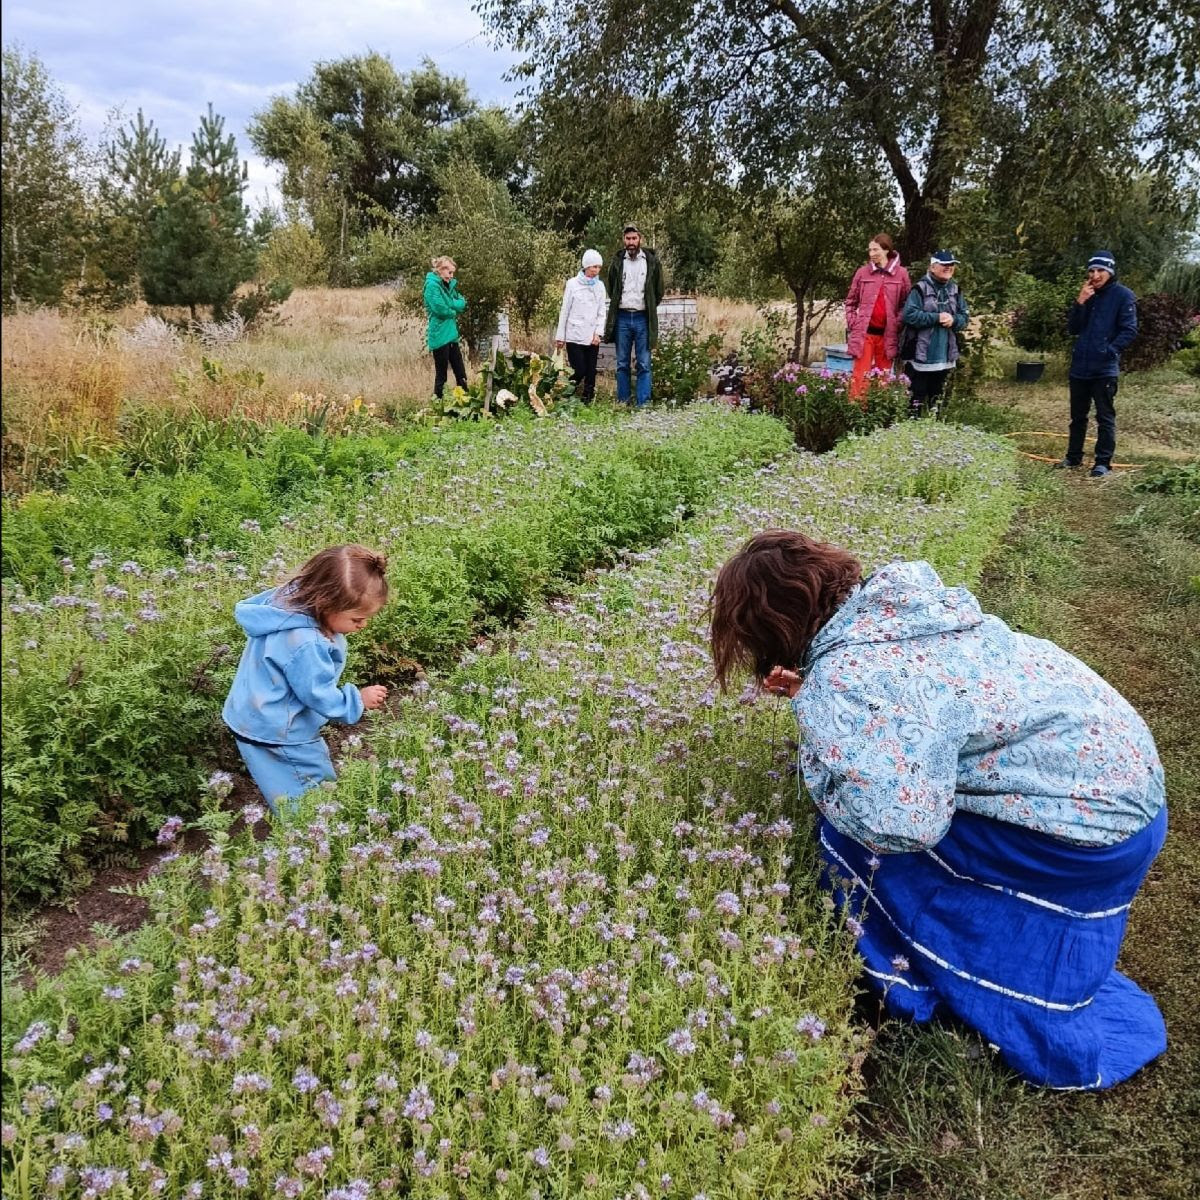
[837, 358]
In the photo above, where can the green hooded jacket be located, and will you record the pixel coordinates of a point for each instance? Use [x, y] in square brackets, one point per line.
[654, 293]
[443, 304]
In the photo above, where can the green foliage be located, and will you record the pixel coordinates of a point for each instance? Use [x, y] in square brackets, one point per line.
[137, 174]
[295, 253]
[1164, 322]
[198, 249]
[258, 306]
[1181, 277]
[1187, 357]
[503, 261]
[41, 155]
[816, 405]
[1040, 310]
[1175, 479]
[681, 364]
[520, 382]
[364, 146]
[114, 682]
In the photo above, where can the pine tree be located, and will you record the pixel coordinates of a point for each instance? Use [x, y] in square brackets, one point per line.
[198, 249]
[137, 173]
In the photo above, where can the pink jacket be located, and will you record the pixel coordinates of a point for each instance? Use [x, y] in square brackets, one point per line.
[860, 303]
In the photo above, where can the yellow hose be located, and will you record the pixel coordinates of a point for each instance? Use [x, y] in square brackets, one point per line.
[1052, 433]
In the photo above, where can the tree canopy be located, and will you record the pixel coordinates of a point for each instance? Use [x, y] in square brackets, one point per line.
[933, 94]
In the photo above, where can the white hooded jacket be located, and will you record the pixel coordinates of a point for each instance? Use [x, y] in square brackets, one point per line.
[581, 316]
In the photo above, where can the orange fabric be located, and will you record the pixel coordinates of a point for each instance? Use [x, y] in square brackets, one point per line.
[873, 355]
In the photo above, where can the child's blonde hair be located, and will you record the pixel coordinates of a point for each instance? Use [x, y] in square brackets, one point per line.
[337, 579]
[444, 260]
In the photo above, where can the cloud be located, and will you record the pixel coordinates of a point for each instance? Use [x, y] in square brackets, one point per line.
[173, 60]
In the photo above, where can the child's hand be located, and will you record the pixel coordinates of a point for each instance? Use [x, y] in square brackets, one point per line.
[373, 695]
[781, 682]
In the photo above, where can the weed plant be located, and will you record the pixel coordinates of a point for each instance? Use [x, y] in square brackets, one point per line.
[555, 931]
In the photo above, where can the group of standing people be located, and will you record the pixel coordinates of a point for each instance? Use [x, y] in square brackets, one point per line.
[890, 319]
[585, 319]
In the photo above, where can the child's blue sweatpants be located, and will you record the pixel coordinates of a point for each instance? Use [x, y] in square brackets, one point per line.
[286, 772]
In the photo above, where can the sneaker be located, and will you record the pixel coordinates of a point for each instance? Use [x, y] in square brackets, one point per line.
[1099, 471]
[1064, 465]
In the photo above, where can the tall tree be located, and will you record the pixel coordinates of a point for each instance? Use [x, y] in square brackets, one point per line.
[42, 155]
[199, 248]
[930, 88]
[361, 142]
[137, 171]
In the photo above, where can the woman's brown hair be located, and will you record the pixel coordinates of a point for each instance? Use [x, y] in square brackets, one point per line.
[884, 240]
[772, 597]
[337, 579]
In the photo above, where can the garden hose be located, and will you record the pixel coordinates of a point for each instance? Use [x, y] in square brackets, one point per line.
[1044, 458]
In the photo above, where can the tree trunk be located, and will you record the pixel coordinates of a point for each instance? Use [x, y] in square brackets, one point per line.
[800, 331]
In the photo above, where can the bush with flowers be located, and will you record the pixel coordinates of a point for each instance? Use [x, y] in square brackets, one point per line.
[815, 403]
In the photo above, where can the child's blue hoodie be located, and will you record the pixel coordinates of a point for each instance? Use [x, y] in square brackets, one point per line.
[286, 685]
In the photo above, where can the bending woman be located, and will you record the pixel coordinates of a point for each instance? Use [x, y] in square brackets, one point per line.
[988, 805]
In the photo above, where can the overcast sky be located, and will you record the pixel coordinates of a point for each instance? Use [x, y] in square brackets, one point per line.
[171, 59]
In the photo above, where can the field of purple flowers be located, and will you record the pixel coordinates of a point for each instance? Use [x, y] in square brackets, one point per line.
[555, 931]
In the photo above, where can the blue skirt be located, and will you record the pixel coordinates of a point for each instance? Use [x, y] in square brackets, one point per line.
[1014, 933]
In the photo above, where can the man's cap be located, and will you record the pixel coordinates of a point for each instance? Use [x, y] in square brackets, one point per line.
[630, 229]
[945, 257]
[1102, 260]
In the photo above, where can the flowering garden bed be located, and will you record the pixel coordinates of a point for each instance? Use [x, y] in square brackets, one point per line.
[555, 931]
[113, 684]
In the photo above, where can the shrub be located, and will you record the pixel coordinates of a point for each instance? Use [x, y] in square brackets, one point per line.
[259, 306]
[1164, 321]
[1187, 357]
[1182, 279]
[682, 362]
[295, 253]
[816, 405]
[1040, 310]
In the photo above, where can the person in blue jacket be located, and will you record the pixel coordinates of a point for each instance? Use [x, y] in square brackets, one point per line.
[1104, 322]
[935, 313]
[988, 804]
[286, 686]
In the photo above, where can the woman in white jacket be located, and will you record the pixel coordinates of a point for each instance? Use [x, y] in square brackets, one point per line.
[581, 323]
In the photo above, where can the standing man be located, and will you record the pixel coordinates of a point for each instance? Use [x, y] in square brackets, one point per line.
[934, 313]
[1104, 322]
[635, 288]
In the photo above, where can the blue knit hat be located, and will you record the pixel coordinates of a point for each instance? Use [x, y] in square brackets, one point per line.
[1102, 260]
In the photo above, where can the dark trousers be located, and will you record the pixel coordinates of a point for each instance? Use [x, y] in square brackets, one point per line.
[1084, 393]
[926, 389]
[583, 368]
[448, 357]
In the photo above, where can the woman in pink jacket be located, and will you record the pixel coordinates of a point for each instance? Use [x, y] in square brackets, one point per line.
[873, 307]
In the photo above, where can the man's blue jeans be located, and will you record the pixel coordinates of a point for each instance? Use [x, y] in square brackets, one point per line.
[633, 333]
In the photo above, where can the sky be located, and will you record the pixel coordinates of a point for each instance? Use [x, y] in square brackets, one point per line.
[172, 58]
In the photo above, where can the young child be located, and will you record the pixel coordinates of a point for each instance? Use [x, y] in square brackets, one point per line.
[286, 685]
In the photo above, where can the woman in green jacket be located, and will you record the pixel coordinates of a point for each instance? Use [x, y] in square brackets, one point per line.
[443, 304]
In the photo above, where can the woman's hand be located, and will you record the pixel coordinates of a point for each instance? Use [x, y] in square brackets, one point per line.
[373, 695]
[781, 682]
